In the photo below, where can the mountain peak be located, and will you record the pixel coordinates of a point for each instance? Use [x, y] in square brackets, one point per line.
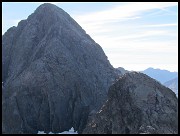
[48, 11]
[54, 73]
[46, 7]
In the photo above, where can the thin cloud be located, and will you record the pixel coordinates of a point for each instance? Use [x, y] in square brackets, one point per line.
[125, 11]
[110, 22]
[143, 34]
[123, 40]
[161, 25]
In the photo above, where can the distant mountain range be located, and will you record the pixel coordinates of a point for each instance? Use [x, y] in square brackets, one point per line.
[160, 75]
[173, 85]
[165, 77]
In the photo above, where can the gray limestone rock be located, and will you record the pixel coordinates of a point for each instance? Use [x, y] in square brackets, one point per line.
[136, 104]
[53, 74]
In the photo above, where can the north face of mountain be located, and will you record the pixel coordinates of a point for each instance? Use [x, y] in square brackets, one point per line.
[136, 104]
[53, 74]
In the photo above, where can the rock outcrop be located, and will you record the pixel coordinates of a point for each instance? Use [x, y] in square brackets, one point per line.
[136, 104]
[53, 74]
[121, 71]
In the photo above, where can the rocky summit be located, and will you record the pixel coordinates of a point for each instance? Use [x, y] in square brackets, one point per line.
[54, 75]
[136, 104]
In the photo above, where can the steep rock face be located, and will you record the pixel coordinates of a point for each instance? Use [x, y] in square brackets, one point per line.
[136, 104]
[53, 74]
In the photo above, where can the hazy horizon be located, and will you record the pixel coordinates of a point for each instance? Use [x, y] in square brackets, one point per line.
[133, 35]
[147, 68]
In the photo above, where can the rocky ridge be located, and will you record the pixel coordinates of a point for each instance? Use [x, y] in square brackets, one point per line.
[136, 104]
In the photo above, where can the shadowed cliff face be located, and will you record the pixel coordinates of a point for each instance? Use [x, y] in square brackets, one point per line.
[136, 104]
[54, 74]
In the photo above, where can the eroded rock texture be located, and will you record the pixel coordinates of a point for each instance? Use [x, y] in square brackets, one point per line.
[53, 74]
[136, 104]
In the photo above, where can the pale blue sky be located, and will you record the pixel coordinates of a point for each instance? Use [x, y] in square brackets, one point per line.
[133, 35]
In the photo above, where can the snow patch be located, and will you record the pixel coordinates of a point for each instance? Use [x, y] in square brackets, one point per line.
[71, 131]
